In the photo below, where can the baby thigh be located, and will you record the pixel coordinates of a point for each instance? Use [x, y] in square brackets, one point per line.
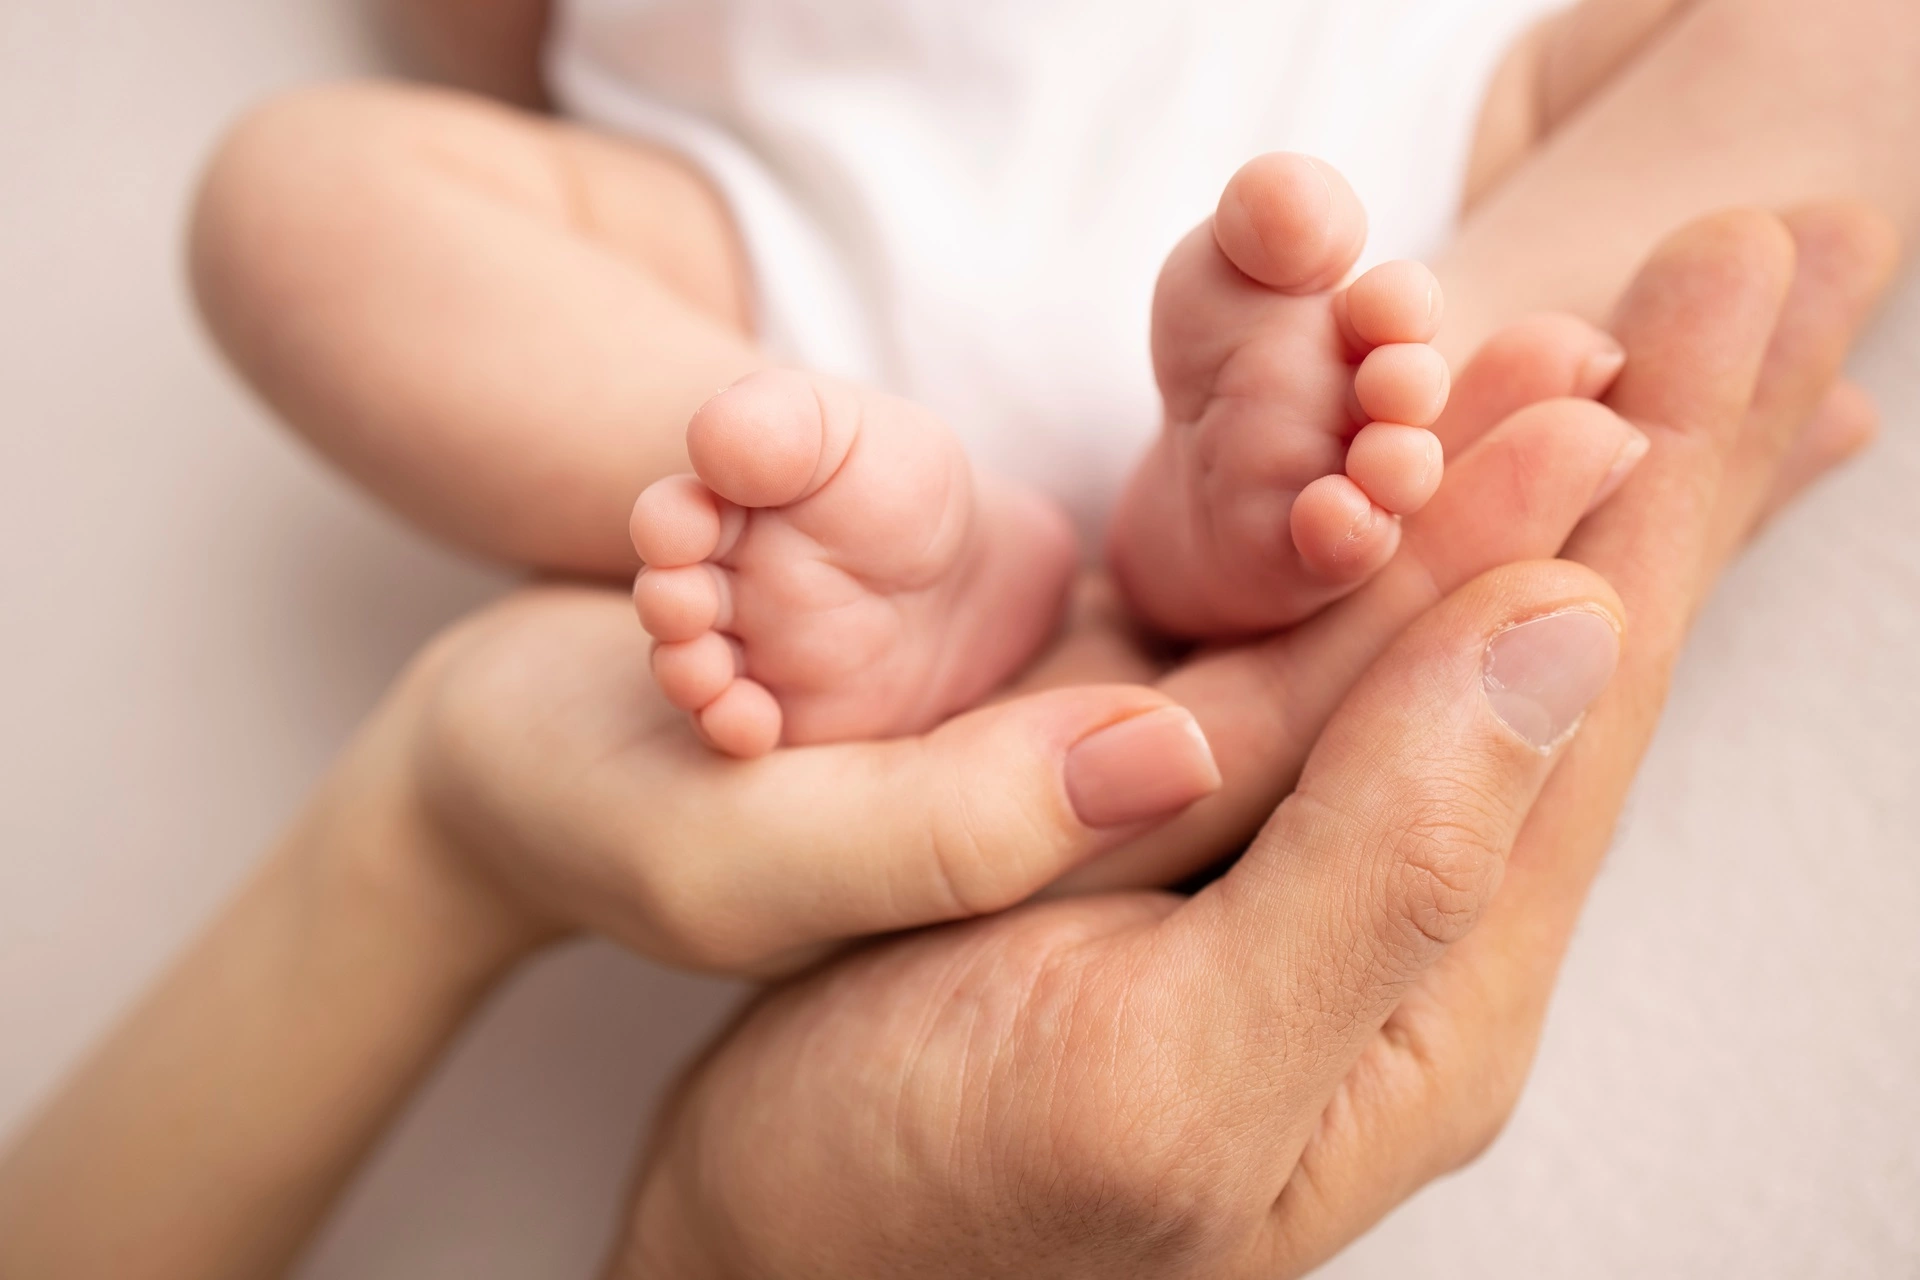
[497, 322]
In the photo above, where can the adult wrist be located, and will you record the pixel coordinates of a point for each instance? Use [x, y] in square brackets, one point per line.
[282, 1042]
[370, 842]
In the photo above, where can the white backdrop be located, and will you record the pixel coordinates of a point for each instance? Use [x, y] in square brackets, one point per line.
[195, 615]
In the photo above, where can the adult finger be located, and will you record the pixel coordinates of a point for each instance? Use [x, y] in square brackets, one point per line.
[1393, 843]
[1718, 458]
[1845, 422]
[553, 755]
[1697, 325]
[822, 844]
[1846, 256]
[1541, 357]
[1661, 543]
[1515, 494]
[1717, 307]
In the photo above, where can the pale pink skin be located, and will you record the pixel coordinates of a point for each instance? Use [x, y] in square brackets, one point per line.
[1296, 412]
[833, 569]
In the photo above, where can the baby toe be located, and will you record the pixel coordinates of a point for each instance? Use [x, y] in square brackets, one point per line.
[677, 521]
[1290, 222]
[1341, 536]
[680, 604]
[1394, 302]
[1404, 382]
[1397, 467]
[760, 442]
[743, 721]
[692, 673]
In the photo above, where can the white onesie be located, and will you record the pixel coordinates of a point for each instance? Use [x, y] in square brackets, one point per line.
[967, 201]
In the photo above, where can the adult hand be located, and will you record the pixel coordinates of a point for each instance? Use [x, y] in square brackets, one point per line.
[552, 764]
[1240, 1083]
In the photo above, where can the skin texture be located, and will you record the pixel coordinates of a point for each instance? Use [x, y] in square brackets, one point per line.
[490, 805]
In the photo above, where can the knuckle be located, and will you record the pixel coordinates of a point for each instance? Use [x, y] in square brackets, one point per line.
[1436, 858]
[1447, 869]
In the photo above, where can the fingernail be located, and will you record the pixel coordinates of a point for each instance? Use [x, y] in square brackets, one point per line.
[1623, 464]
[1599, 371]
[1541, 676]
[1151, 766]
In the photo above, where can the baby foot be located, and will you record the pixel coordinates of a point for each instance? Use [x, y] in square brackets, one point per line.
[834, 569]
[1295, 411]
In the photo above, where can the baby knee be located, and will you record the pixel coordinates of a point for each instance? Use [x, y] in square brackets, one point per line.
[274, 191]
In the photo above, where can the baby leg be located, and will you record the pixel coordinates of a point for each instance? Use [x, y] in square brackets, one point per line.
[496, 322]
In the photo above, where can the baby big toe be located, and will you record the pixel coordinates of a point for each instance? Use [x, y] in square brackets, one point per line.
[760, 442]
[1341, 536]
[1290, 222]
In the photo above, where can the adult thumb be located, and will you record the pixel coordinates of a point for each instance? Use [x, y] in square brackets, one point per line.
[1399, 831]
[981, 813]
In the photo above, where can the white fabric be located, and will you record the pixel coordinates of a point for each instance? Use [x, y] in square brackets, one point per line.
[967, 201]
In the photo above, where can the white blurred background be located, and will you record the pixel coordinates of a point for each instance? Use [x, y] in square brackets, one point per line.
[194, 616]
